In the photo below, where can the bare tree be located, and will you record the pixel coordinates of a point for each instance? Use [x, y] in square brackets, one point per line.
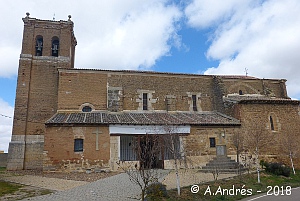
[289, 144]
[238, 140]
[238, 143]
[175, 148]
[255, 141]
[146, 148]
[216, 170]
[247, 159]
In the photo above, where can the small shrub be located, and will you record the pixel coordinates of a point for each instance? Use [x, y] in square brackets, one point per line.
[278, 169]
[156, 190]
[263, 164]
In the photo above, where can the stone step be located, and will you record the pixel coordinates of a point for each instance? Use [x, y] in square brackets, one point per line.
[222, 158]
[224, 170]
[230, 166]
[221, 162]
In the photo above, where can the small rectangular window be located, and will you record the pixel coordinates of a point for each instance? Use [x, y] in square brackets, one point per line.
[78, 145]
[145, 101]
[194, 100]
[212, 142]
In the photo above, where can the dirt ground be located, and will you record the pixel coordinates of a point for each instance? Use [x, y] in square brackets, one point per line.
[76, 176]
[35, 186]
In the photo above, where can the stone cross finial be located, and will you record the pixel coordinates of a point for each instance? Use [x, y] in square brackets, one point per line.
[246, 71]
[27, 14]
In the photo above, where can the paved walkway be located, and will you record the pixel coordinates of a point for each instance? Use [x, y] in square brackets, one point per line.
[113, 188]
[117, 187]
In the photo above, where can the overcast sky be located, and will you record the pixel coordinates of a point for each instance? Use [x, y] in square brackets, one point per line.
[195, 36]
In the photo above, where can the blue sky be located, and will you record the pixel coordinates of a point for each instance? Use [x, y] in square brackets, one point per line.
[194, 36]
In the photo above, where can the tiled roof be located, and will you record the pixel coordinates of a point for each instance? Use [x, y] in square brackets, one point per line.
[258, 99]
[163, 73]
[237, 77]
[143, 118]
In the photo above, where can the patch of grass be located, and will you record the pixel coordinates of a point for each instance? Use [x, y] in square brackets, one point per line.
[46, 191]
[247, 182]
[8, 188]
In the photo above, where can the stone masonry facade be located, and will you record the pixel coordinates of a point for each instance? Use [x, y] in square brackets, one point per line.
[58, 106]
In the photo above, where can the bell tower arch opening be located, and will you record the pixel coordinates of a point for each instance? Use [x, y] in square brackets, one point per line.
[55, 46]
[39, 46]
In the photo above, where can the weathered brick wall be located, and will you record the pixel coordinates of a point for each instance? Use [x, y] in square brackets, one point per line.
[197, 143]
[36, 97]
[3, 159]
[268, 87]
[79, 87]
[218, 92]
[163, 85]
[59, 147]
[167, 91]
[286, 117]
[48, 29]
[250, 86]
[275, 88]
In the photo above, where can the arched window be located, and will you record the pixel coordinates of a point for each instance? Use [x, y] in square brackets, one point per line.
[39, 46]
[55, 46]
[87, 109]
[240, 92]
[272, 123]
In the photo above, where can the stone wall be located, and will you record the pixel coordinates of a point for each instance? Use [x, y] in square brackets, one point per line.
[117, 91]
[269, 87]
[168, 91]
[197, 142]
[286, 118]
[3, 159]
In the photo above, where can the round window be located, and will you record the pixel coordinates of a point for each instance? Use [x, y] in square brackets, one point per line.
[86, 109]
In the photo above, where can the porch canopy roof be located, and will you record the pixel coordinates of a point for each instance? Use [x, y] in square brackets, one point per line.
[142, 118]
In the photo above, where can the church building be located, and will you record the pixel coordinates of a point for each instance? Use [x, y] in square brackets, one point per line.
[72, 119]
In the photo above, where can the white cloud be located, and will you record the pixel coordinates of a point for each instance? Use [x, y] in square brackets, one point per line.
[5, 124]
[115, 34]
[264, 38]
[138, 40]
[9, 62]
[205, 13]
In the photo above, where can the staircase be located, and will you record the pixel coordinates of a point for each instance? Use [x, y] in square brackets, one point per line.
[222, 164]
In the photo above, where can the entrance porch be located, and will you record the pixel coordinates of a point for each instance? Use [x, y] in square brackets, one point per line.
[149, 146]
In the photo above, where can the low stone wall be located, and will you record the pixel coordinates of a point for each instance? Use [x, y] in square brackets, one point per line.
[3, 159]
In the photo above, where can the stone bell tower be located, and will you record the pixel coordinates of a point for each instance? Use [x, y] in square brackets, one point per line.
[47, 45]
